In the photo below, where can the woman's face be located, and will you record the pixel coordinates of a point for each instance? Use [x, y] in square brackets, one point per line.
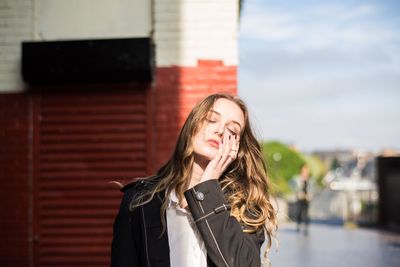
[224, 118]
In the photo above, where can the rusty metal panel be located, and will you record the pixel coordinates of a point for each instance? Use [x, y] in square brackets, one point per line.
[15, 179]
[84, 140]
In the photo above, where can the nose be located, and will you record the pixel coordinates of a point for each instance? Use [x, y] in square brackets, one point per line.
[220, 130]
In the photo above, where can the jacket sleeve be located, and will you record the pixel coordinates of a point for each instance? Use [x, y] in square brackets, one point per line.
[123, 249]
[227, 245]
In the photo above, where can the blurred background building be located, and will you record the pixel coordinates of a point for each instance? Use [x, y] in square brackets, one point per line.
[350, 187]
[90, 92]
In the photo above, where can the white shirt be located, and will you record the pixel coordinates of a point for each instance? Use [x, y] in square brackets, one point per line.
[186, 246]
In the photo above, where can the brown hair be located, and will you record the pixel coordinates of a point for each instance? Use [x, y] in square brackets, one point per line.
[244, 182]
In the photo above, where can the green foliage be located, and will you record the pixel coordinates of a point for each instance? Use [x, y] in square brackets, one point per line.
[317, 167]
[282, 164]
[335, 164]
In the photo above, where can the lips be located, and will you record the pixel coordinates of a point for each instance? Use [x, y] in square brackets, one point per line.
[213, 143]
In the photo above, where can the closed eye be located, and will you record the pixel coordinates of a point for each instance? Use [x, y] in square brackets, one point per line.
[232, 131]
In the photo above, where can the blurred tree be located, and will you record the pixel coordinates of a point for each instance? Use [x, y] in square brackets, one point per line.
[282, 164]
[317, 167]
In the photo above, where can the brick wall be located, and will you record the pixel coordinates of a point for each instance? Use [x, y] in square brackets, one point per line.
[177, 90]
[196, 55]
[189, 30]
[15, 158]
[196, 42]
[210, 76]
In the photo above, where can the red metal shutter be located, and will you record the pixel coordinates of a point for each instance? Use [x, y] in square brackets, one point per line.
[83, 141]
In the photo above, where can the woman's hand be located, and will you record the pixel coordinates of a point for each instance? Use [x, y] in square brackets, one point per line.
[227, 153]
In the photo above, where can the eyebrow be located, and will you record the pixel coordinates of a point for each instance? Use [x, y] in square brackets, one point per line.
[219, 114]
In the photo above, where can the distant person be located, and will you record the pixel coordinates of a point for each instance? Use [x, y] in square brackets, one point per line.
[209, 205]
[303, 190]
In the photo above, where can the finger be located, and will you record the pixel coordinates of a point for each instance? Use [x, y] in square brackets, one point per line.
[226, 144]
[220, 149]
[231, 141]
[215, 161]
[235, 146]
[226, 150]
[231, 153]
[227, 162]
[231, 156]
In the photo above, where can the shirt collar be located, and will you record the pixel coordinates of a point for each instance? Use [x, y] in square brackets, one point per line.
[173, 198]
[173, 202]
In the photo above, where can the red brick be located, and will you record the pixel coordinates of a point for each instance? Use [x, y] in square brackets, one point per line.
[209, 63]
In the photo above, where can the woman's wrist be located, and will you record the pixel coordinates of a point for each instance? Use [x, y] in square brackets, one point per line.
[204, 178]
[194, 182]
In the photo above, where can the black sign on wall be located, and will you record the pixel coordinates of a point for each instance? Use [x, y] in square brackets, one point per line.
[88, 61]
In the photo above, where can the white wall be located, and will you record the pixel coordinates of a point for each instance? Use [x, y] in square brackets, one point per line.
[43, 20]
[188, 30]
[15, 25]
[185, 30]
[91, 19]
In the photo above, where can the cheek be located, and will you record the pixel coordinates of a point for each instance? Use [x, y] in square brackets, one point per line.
[198, 140]
[200, 135]
[207, 131]
[201, 147]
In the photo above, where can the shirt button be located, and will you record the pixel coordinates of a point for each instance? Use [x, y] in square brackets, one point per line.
[199, 196]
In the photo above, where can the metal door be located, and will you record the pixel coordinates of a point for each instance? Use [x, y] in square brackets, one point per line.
[83, 139]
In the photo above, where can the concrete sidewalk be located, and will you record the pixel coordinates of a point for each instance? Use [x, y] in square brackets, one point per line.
[335, 246]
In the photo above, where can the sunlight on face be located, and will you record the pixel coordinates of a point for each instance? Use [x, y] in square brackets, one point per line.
[225, 117]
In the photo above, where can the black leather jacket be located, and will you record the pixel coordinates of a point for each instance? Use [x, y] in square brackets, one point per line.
[137, 239]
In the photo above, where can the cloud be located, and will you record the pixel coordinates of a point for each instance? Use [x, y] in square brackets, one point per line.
[320, 26]
[322, 76]
[323, 89]
[276, 62]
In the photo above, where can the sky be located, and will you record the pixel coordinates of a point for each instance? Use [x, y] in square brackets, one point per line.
[322, 75]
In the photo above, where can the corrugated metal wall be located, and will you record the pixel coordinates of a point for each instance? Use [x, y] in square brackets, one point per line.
[83, 140]
[15, 179]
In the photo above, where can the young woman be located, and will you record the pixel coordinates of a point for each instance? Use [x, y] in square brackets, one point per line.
[208, 205]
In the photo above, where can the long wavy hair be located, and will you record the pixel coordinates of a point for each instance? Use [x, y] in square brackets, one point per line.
[244, 182]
